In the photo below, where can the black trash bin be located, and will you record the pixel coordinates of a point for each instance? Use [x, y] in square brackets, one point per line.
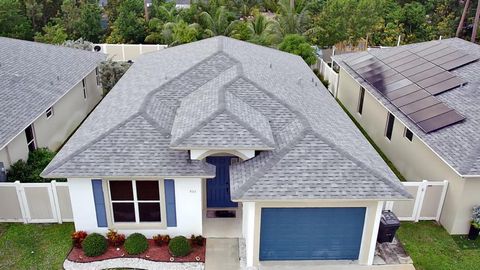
[389, 225]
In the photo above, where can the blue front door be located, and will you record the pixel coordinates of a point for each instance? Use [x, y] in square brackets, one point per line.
[218, 188]
[311, 233]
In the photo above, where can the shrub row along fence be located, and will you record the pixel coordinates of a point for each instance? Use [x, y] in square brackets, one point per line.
[35, 202]
[126, 52]
[50, 202]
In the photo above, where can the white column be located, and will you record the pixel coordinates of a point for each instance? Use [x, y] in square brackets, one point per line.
[373, 240]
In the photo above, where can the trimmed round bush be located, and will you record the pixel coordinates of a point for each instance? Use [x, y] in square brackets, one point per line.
[94, 245]
[179, 246]
[136, 243]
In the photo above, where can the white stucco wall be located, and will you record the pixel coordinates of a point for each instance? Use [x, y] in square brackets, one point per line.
[414, 159]
[68, 113]
[188, 202]
[370, 229]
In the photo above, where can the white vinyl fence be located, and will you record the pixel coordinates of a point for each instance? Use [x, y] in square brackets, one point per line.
[126, 52]
[35, 202]
[330, 75]
[427, 204]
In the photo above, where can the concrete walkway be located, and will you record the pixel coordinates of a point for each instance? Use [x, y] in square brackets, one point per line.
[222, 254]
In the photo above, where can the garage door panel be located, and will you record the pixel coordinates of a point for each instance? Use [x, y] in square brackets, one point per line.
[311, 233]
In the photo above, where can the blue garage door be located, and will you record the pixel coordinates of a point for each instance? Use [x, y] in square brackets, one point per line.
[311, 233]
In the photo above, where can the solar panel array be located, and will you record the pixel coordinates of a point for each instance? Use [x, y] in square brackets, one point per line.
[410, 79]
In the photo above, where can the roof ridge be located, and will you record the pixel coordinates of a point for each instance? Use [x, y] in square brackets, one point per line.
[246, 125]
[61, 162]
[361, 164]
[213, 115]
[269, 164]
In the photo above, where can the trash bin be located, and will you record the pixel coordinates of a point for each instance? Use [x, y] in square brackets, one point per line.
[389, 225]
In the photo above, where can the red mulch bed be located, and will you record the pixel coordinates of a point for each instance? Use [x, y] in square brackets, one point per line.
[153, 253]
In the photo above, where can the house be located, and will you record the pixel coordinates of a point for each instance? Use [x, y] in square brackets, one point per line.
[228, 139]
[419, 104]
[46, 92]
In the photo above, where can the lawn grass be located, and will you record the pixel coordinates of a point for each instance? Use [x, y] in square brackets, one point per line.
[432, 248]
[34, 246]
[379, 151]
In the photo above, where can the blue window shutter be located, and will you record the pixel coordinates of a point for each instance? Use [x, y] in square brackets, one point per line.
[170, 203]
[99, 203]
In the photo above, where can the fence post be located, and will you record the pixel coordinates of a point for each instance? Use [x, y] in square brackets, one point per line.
[421, 198]
[55, 201]
[141, 49]
[442, 200]
[123, 52]
[22, 202]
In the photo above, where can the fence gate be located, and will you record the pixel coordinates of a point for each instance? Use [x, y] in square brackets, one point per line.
[427, 204]
[35, 202]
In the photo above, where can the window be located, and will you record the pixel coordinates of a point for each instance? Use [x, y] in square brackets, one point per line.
[389, 129]
[360, 100]
[135, 201]
[49, 112]
[408, 134]
[97, 74]
[84, 84]
[30, 134]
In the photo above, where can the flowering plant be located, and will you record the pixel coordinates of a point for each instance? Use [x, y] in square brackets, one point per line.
[161, 239]
[476, 217]
[116, 239]
[78, 237]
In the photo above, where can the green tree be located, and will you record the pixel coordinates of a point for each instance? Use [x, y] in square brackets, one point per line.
[130, 26]
[292, 20]
[52, 33]
[241, 31]
[110, 72]
[264, 31]
[34, 11]
[13, 21]
[180, 33]
[296, 44]
[89, 26]
[217, 22]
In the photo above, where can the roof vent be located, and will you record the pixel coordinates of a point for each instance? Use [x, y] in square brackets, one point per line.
[270, 65]
[58, 78]
[299, 82]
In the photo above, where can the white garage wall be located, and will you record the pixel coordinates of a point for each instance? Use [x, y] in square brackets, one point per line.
[188, 202]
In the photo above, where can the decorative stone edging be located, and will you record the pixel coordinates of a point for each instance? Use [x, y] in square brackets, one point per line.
[137, 263]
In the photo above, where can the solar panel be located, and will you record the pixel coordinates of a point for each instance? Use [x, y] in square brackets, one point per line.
[429, 112]
[444, 86]
[402, 91]
[440, 121]
[459, 62]
[419, 105]
[411, 78]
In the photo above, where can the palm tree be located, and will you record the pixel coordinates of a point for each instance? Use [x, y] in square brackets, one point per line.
[218, 22]
[293, 19]
[264, 31]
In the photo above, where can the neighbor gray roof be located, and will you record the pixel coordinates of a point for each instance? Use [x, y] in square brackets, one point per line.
[223, 93]
[458, 144]
[33, 76]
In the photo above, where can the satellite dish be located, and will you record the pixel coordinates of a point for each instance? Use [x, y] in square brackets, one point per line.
[97, 48]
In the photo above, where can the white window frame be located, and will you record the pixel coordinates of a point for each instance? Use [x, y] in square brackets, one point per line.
[137, 223]
[97, 75]
[405, 134]
[34, 139]
[84, 85]
[49, 110]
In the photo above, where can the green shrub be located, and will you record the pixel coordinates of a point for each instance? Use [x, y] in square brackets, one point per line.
[30, 171]
[179, 246]
[94, 245]
[136, 243]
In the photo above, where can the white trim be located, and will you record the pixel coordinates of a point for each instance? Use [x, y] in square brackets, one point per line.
[373, 240]
[442, 200]
[56, 202]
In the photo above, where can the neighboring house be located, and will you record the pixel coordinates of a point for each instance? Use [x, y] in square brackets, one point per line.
[46, 92]
[420, 104]
[229, 139]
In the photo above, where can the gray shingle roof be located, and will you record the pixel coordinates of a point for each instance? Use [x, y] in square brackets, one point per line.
[33, 76]
[459, 144]
[222, 89]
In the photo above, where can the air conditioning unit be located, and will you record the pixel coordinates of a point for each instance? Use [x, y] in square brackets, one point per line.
[3, 173]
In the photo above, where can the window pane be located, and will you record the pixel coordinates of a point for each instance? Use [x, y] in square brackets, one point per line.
[121, 190]
[123, 212]
[147, 191]
[149, 211]
[390, 122]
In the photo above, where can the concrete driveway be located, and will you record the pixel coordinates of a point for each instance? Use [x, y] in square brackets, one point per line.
[222, 254]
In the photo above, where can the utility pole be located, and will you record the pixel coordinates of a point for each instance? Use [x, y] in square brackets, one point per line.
[462, 20]
[475, 23]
